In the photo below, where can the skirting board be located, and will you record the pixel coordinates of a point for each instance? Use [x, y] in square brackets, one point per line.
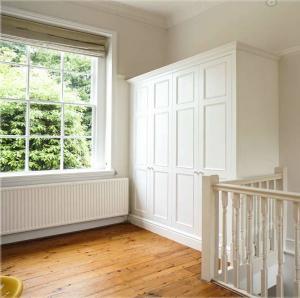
[165, 231]
[11, 238]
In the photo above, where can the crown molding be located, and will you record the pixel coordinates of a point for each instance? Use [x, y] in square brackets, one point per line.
[126, 11]
[256, 51]
[289, 51]
[121, 9]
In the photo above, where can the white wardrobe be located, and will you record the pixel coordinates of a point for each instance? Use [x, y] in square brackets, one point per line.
[213, 113]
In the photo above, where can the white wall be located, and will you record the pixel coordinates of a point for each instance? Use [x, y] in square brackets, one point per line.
[257, 116]
[289, 87]
[270, 28]
[289, 133]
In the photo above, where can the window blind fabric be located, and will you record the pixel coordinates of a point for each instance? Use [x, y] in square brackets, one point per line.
[53, 36]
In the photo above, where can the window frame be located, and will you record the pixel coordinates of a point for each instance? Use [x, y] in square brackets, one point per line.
[96, 102]
[107, 159]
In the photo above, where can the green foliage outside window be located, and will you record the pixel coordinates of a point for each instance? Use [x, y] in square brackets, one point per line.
[45, 83]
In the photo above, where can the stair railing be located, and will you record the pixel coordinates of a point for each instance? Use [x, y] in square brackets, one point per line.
[244, 225]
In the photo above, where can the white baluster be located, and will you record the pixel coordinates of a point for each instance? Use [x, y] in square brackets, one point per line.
[273, 206]
[297, 247]
[217, 233]
[264, 271]
[258, 235]
[236, 240]
[270, 217]
[249, 243]
[279, 221]
[255, 230]
[224, 236]
[232, 227]
[243, 223]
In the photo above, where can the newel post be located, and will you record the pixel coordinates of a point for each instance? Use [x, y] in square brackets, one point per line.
[210, 226]
[283, 171]
[284, 187]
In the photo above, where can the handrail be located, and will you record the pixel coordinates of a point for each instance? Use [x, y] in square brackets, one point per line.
[273, 194]
[256, 179]
[245, 221]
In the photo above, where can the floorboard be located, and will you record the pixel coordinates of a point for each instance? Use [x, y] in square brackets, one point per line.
[117, 261]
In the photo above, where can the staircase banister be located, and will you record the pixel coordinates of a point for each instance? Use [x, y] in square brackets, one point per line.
[256, 179]
[274, 194]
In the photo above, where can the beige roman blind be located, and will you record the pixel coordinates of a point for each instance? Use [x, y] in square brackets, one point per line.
[53, 36]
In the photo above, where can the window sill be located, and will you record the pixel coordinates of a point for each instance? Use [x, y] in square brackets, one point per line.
[48, 177]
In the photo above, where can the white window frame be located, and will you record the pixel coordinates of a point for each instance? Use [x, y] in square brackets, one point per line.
[97, 101]
[104, 127]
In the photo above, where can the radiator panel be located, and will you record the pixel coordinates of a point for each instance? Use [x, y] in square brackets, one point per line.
[43, 206]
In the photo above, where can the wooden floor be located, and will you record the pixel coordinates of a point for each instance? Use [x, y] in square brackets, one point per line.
[116, 261]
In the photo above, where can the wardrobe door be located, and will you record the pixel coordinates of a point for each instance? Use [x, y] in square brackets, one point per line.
[160, 123]
[140, 205]
[186, 180]
[215, 110]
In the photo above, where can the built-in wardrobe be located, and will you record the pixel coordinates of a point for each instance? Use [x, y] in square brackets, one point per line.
[213, 113]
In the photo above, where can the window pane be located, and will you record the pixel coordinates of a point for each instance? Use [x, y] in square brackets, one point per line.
[44, 84]
[78, 120]
[12, 118]
[12, 157]
[77, 153]
[45, 119]
[77, 87]
[44, 154]
[12, 81]
[77, 63]
[12, 52]
[45, 58]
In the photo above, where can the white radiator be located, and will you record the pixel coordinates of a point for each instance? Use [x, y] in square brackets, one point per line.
[29, 208]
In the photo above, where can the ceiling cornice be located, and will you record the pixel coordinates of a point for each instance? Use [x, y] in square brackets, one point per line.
[141, 15]
[126, 11]
[290, 51]
[137, 14]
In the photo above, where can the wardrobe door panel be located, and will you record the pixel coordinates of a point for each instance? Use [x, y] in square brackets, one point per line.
[215, 80]
[185, 138]
[161, 139]
[160, 194]
[141, 140]
[141, 191]
[185, 200]
[142, 100]
[215, 137]
[161, 94]
[185, 87]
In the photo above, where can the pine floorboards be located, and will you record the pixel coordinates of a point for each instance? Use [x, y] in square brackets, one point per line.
[116, 261]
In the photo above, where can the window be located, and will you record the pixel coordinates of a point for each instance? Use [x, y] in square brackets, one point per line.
[48, 107]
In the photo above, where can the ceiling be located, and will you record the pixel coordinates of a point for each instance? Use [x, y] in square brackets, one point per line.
[172, 9]
[163, 13]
